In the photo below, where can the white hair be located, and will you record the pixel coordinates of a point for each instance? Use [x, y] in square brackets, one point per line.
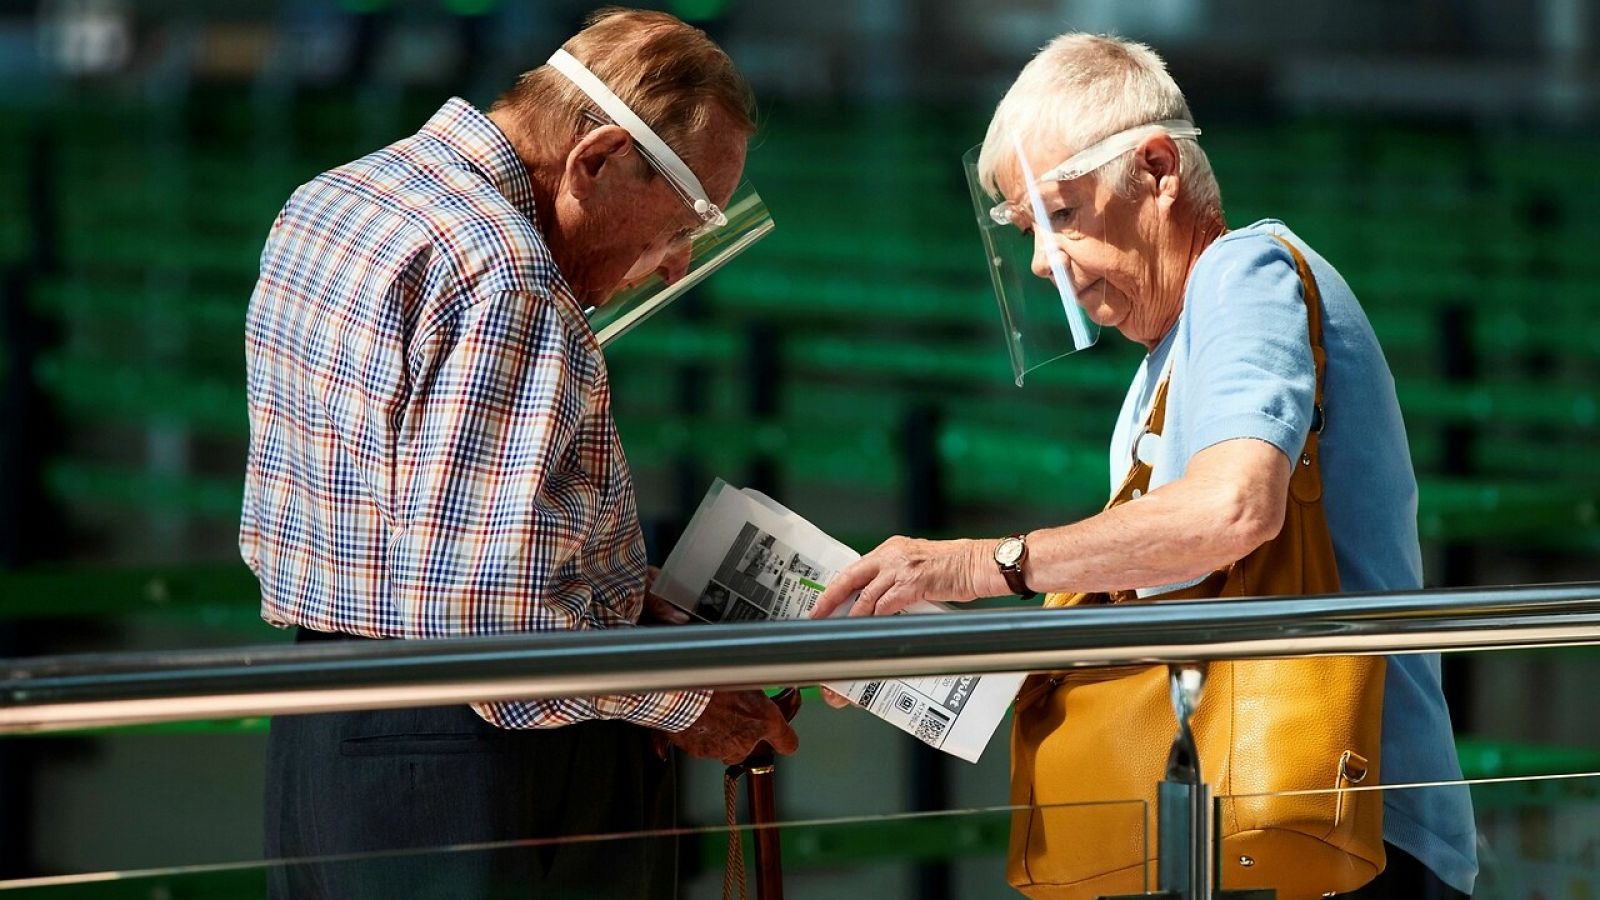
[1082, 88]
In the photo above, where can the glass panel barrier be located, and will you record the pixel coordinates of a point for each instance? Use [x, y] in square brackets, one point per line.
[1538, 837]
[1535, 837]
[886, 857]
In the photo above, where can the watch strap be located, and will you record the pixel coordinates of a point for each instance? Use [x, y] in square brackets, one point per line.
[1015, 582]
[1013, 573]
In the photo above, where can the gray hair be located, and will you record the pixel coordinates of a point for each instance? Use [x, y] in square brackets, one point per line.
[1082, 88]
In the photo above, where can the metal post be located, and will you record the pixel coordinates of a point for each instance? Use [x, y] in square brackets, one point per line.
[1188, 864]
[1184, 801]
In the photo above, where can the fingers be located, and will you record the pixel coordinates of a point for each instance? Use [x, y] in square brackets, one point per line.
[833, 698]
[788, 701]
[663, 611]
[781, 735]
[867, 603]
[850, 579]
[776, 730]
[734, 723]
[895, 600]
[659, 610]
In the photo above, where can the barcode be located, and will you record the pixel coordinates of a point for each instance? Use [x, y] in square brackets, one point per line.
[931, 729]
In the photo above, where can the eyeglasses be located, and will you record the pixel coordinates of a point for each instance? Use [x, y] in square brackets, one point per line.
[1098, 154]
[710, 215]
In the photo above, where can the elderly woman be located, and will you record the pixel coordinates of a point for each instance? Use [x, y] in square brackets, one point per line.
[1092, 161]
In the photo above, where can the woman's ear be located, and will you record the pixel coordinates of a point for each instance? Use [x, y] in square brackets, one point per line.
[1159, 165]
[588, 159]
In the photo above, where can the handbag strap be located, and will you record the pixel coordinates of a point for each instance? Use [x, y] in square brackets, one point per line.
[1139, 472]
[1305, 486]
[1305, 483]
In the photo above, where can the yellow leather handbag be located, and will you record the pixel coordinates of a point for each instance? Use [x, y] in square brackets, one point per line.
[1263, 727]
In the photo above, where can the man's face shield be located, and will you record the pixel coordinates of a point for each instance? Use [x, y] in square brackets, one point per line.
[663, 274]
[682, 259]
[1041, 234]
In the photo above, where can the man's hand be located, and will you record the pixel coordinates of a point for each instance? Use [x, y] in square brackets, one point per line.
[656, 610]
[732, 724]
[901, 572]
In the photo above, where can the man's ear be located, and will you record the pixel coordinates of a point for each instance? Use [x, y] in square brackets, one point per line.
[1159, 166]
[594, 152]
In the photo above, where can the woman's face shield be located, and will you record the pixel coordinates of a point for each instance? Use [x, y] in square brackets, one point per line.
[663, 274]
[1039, 230]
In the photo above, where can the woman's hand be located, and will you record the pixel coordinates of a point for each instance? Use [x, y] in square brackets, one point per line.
[833, 698]
[902, 572]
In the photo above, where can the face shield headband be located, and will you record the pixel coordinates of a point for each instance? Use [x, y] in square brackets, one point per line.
[1092, 157]
[655, 150]
[721, 235]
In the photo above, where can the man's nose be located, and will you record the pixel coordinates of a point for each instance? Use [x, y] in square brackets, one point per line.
[675, 264]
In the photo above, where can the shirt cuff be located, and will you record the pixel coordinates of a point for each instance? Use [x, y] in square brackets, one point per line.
[1257, 425]
[671, 711]
[663, 710]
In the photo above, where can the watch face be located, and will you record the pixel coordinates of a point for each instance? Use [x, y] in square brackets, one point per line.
[1008, 552]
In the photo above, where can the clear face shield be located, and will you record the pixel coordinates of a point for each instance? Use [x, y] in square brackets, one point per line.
[1044, 238]
[678, 261]
[666, 272]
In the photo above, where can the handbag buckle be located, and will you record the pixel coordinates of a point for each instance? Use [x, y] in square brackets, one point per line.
[1353, 767]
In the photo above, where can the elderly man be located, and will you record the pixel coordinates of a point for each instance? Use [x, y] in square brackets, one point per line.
[433, 454]
[1092, 162]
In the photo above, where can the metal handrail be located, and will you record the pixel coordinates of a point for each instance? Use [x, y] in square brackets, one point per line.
[52, 693]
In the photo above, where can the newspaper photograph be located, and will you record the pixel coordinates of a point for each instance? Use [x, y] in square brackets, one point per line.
[745, 557]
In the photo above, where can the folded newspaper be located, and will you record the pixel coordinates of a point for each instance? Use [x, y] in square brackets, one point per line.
[745, 557]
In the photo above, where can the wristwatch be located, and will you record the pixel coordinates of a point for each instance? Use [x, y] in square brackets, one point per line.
[1009, 555]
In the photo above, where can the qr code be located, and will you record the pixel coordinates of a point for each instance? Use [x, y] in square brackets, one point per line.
[905, 703]
[931, 728]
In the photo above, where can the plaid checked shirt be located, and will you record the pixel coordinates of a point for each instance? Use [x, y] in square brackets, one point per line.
[432, 451]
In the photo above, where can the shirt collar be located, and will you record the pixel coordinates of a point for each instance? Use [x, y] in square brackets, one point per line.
[471, 134]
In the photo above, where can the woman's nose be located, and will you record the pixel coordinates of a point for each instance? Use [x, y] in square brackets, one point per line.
[1044, 248]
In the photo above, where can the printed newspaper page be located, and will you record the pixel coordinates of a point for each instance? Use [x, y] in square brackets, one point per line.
[744, 557]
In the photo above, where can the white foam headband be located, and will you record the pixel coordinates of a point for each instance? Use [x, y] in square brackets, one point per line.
[672, 166]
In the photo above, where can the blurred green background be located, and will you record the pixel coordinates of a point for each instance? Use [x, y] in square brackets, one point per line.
[1441, 153]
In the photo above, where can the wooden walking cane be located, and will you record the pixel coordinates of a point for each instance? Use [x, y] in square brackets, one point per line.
[758, 767]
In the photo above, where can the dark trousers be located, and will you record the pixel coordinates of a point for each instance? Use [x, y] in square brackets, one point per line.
[1404, 878]
[361, 789]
